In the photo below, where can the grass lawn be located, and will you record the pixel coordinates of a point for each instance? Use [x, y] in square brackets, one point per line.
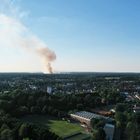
[61, 128]
[64, 128]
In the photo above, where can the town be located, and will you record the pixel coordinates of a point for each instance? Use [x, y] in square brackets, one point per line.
[69, 106]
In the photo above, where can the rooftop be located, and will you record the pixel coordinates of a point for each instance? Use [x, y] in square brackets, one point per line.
[89, 115]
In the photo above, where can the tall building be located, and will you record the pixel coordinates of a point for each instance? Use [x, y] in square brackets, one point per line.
[49, 90]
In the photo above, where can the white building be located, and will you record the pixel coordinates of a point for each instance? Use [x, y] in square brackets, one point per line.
[49, 90]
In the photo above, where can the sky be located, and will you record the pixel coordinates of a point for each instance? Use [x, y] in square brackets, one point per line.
[86, 35]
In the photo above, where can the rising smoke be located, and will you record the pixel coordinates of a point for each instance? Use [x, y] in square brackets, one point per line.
[15, 34]
[48, 56]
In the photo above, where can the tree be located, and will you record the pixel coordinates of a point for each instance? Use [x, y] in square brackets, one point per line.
[118, 124]
[3, 127]
[23, 131]
[79, 106]
[50, 109]
[89, 100]
[97, 123]
[44, 109]
[23, 110]
[98, 101]
[31, 101]
[99, 134]
[120, 107]
[5, 105]
[6, 134]
[35, 109]
[41, 102]
[130, 131]
[121, 118]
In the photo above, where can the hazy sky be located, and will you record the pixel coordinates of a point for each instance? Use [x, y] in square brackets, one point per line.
[86, 35]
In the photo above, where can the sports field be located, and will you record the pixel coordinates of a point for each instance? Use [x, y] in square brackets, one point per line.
[60, 127]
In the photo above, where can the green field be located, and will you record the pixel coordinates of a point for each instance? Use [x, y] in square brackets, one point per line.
[61, 128]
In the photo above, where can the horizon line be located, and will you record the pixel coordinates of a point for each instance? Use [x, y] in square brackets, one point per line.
[67, 72]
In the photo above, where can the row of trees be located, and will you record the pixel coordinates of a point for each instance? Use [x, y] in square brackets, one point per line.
[127, 122]
[42, 103]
